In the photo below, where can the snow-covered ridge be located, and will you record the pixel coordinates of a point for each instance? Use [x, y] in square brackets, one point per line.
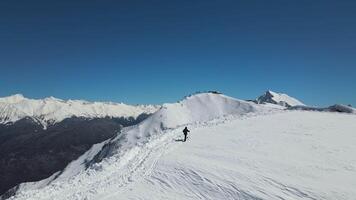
[193, 109]
[279, 99]
[51, 110]
[199, 108]
[196, 108]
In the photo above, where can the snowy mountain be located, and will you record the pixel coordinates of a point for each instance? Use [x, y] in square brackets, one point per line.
[195, 109]
[40, 137]
[52, 110]
[279, 99]
[236, 150]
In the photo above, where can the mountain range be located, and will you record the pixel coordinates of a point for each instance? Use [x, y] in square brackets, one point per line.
[61, 143]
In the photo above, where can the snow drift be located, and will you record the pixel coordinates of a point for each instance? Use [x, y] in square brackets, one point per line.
[279, 99]
[52, 110]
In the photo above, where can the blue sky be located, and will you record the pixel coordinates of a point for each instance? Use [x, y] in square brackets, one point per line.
[159, 51]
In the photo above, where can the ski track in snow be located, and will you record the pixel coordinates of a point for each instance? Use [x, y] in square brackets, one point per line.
[143, 173]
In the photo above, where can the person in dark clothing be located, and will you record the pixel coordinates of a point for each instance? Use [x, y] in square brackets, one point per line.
[185, 131]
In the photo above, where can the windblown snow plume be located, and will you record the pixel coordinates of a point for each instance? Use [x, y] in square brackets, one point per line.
[52, 110]
[279, 99]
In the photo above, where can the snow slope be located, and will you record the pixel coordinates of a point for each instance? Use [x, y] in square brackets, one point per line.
[291, 155]
[51, 110]
[279, 99]
[236, 150]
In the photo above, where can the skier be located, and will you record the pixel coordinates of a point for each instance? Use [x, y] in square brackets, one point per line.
[185, 131]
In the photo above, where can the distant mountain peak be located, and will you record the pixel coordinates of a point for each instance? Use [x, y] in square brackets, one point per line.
[13, 98]
[270, 92]
[51, 98]
[278, 98]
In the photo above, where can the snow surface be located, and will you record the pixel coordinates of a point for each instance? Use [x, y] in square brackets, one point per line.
[236, 150]
[279, 99]
[292, 155]
[51, 110]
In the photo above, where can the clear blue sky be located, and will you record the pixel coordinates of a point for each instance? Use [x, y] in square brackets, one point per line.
[159, 51]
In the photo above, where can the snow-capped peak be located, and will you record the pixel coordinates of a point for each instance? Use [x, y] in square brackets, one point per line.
[51, 110]
[279, 99]
[12, 99]
[51, 98]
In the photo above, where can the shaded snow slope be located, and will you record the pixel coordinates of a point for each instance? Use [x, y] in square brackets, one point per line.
[278, 98]
[51, 110]
[333, 108]
[285, 155]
